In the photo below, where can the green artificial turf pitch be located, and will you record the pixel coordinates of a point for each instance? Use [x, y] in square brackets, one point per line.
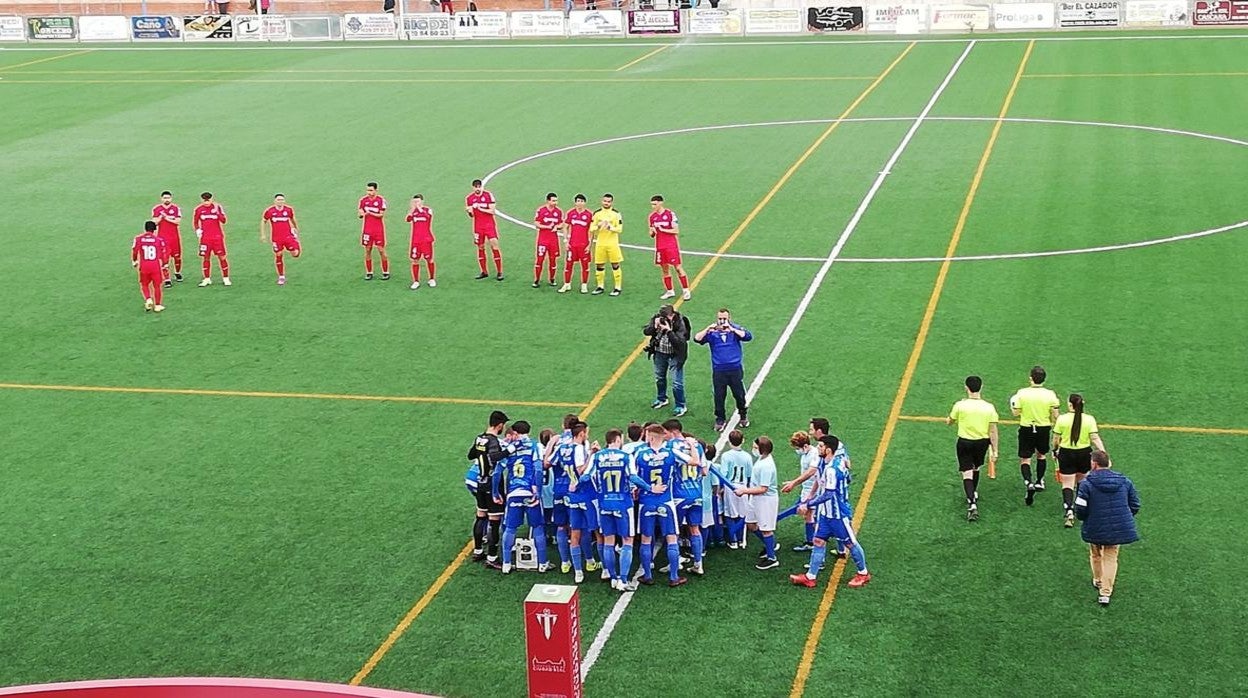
[190, 534]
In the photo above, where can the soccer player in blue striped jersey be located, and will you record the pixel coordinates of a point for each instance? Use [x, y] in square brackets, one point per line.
[830, 501]
[688, 488]
[657, 466]
[582, 507]
[517, 483]
[560, 460]
[613, 474]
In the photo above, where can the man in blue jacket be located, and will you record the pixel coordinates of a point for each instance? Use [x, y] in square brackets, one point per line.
[727, 365]
[1106, 503]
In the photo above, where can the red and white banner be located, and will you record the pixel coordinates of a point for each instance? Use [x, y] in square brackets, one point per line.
[552, 632]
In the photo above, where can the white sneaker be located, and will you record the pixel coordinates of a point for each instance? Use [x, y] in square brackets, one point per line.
[605, 574]
[565, 288]
[584, 288]
[578, 577]
[615, 584]
[687, 295]
[433, 284]
[149, 304]
[206, 282]
[281, 281]
[415, 285]
[158, 308]
[697, 569]
[732, 545]
[225, 281]
[545, 567]
[506, 568]
[628, 586]
[668, 294]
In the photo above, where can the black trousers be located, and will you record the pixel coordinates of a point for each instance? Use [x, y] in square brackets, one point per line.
[723, 381]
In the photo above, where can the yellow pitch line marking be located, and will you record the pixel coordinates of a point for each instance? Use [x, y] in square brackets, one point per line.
[894, 414]
[1139, 75]
[364, 81]
[1219, 431]
[614, 378]
[37, 61]
[303, 396]
[635, 61]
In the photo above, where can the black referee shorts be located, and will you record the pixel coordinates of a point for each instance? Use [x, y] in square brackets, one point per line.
[1033, 440]
[971, 453]
[485, 501]
[1074, 461]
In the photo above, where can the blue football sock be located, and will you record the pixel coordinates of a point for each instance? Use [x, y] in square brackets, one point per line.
[739, 523]
[561, 539]
[626, 562]
[647, 559]
[817, 557]
[601, 552]
[759, 535]
[608, 559]
[840, 549]
[860, 558]
[697, 544]
[587, 545]
[673, 560]
[810, 533]
[539, 540]
[509, 542]
[578, 562]
[769, 544]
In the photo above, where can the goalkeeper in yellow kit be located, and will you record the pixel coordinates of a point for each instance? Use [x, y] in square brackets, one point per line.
[606, 228]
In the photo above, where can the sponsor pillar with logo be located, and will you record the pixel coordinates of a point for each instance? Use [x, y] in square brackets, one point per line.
[552, 631]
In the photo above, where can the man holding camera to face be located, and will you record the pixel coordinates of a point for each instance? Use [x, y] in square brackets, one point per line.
[669, 334]
[727, 365]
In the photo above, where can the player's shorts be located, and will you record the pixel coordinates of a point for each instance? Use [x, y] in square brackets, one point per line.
[1071, 461]
[839, 529]
[149, 275]
[373, 239]
[523, 509]
[734, 506]
[173, 242]
[485, 500]
[1033, 440]
[211, 245]
[689, 512]
[578, 250]
[583, 516]
[618, 523]
[289, 243]
[608, 253]
[710, 511]
[559, 512]
[667, 255]
[763, 510]
[422, 250]
[661, 515]
[971, 453]
[547, 244]
[479, 236]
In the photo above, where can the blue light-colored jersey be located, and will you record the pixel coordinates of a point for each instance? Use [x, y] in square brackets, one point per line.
[832, 490]
[736, 465]
[763, 474]
[808, 460]
[562, 462]
[840, 460]
[520, 472]
[656, 468]
[611, 473]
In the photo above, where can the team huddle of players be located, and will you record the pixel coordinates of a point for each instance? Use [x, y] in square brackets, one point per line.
[577, 230]
[606, 501]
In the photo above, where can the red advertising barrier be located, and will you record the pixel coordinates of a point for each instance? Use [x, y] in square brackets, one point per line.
[1220, 12]
[552, 632]
[201, 688]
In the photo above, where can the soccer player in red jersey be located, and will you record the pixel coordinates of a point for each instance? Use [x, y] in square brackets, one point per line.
[283, 233]
[372, 210]
[210, 222]
[150, 255]
[576, 225]
[421, 218]
[481, 206]
[549, 219]
[664, 227]
[167, 216]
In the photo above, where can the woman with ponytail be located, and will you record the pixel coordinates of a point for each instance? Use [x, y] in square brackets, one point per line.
[1074, 435]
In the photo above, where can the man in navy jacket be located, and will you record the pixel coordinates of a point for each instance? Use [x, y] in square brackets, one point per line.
[1106, 503]
[727, 364]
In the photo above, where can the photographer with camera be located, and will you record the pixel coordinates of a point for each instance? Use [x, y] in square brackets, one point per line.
[727, 365]
[669, 334]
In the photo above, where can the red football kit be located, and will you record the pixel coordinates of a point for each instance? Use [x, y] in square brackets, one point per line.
[374, 233]
[666, 244]
[167, 230]
[578, 221]
[548, 219]
[151, 254]
[281, 222]
[209, 220]
[422, 241]
[484, 227]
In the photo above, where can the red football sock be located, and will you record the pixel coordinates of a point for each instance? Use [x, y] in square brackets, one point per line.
[147, 294]
[177, 263]
[554, 263]
[584, 271]
[684, 281]
[280, 263]
[537, 268]
[207, 267]
[157, 291]
[164, 272]
[225, 266]
[429, 264]
[415, 271]
[368, 264]
[567, 272]
[667, 282]
[385, 265]
[498, 261]
[481, 259]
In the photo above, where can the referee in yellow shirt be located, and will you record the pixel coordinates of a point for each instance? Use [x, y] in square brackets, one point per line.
[606, 226]
[1036, 409]
[976, 419]
[1074, 435]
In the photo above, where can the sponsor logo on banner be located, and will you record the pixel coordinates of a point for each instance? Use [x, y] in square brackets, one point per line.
[156, 27]
[774, 21]
[104, 28]
[260, 28]
[480, 25]
[962, 18]
[1024, 15]
[1215, 12]
[888, 18]
[1156, 13]
[51, 28]
[596, 23]
[368, 26]
[11, 28]
[206, 27]
[834, 19]
[714, 21]
[654, 21]
[429, 25]
[1089, 14]
[545, 23]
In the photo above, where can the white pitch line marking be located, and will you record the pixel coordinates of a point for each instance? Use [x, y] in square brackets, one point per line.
[617, 612]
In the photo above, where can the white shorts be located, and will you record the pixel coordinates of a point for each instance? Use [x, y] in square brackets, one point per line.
[708, 512]
[734, 506]
[762, 510]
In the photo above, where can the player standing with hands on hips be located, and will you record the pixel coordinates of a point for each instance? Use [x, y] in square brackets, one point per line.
[481, 207]
[373, 210]
[727, 364]
[664, 228]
